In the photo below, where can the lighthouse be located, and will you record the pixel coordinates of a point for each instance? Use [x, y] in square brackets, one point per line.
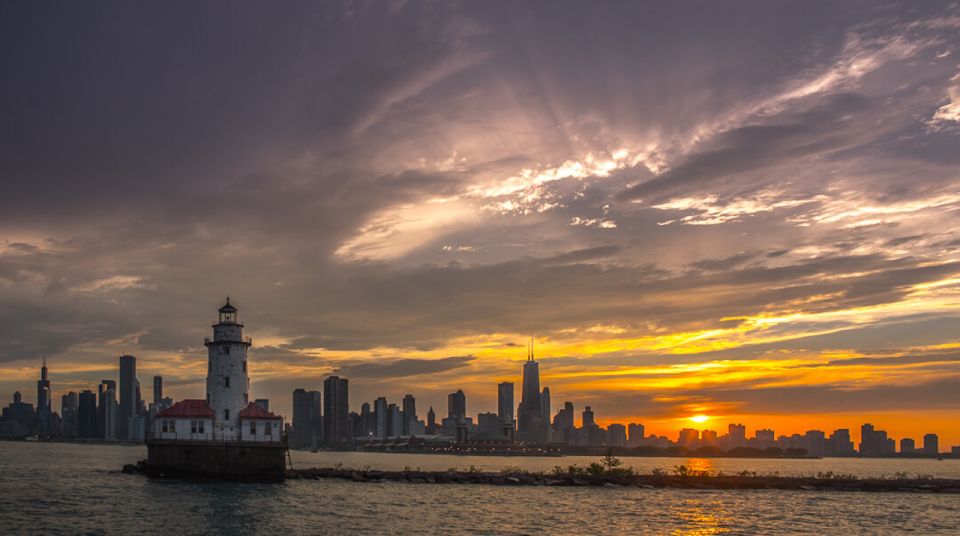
[228, 382]
[224, 435]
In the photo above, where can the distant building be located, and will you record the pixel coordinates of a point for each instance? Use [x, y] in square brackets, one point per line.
[306, 419]
[587, 419]
[815, 443]
[263, 403]
[107, 410]
[380, 412]
[563, 425]
[457, 405]
[127, 395]
[505, 403]
[409, 414]
[708, 438]
[736, 436]
[44, 407]
[907, 446]
[689, 438]
[931, 445]
[636, 436]
[87, 414]
[532, 423]
[875, 442]
[19, 417]
[432, 422]
[840, 444]
[489, 423]
[617, 435]
[336, 407]
[157, 390]
[69, 425]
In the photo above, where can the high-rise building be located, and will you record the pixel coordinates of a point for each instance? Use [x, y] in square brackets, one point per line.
[839, 443]
[409, 411]
[380, 412]
[532, 424]
[394, 421]
[875, 442]
[907, 446]
[617, 435]
[431, 422]
[43, 402]
[815, 443]
[306, 419]
[127, 394]
[336, 408]
[736, 435]
[457, 405]
[931, 444]
[689, 438]
[636, 434]
[708, 438]
[587, 419]
[157, 391]
[505, 402]
[87, 414]
[107, 410]
[68, 415]
[263, 403]
[563, 425]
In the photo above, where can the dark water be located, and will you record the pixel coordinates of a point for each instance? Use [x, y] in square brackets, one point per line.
[77, 489]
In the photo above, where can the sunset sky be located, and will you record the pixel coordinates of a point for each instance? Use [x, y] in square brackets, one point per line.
[749, 211]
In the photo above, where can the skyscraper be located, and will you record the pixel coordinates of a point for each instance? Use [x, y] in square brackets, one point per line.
[505, 402]
[43, 402]
[381, 413]
[532, 424]
[457, 405]
[306, 418]
[409, 413]
[87, 414]
[931, 444]
[636, 436]
[68, 414]
[107, 409]
[587, 419]
[431, 421]
[128, 395]
[157, 391]
[335, 409]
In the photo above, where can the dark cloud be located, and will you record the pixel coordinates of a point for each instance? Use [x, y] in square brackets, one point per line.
[401, 368]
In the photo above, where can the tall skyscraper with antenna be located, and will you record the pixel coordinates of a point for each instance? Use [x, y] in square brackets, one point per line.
[531, 424]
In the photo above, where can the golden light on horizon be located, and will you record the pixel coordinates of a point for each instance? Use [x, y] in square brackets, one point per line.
[699, 419]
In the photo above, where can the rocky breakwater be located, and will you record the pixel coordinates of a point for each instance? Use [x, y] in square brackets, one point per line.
[626, 479]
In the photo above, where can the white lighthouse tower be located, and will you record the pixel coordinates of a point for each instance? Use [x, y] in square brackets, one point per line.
[228, 384]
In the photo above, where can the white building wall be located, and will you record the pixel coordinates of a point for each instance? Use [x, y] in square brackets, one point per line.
[183, 428]
[261, 426]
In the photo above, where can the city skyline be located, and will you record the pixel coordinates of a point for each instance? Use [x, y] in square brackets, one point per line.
[309, 416]
[748, 212]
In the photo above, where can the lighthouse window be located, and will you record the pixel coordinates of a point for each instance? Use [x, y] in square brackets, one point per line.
[244, 366]
[253, 428]
[226, 381]
[267, 430]
[200, 427]
[193, 427]
[226, 414]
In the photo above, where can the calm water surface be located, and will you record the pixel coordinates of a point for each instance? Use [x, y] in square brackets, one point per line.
[78, 489]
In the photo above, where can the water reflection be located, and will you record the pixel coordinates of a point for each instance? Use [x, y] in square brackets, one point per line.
[702, 514]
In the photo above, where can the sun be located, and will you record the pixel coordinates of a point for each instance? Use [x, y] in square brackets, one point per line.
[699, 418]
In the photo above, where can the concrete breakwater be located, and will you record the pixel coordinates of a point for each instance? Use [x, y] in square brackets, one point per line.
[916, 485]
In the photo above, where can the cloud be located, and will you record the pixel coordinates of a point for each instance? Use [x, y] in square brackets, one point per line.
[401, 368]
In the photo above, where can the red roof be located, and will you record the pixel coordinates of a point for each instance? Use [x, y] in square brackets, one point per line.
[253, 411]
[188, 408]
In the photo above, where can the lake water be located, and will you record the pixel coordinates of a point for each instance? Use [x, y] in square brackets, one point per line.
[78, 489]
